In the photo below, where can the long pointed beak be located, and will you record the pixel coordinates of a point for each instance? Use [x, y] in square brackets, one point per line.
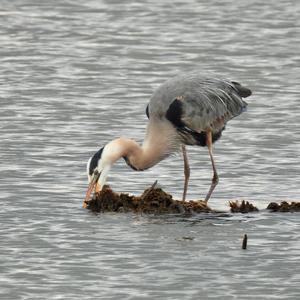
[92, 184]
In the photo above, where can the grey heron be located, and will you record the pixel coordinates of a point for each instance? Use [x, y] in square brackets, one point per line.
[188, 109]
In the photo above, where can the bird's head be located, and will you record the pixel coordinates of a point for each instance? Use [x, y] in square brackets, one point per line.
[97, 169]
[100, 163]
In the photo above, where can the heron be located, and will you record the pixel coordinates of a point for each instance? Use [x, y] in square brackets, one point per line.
[188, 109]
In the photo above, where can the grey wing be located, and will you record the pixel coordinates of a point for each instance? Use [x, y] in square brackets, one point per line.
[197, 102]
[211, 105]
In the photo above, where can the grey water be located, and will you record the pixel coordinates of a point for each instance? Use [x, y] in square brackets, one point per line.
[77, 74]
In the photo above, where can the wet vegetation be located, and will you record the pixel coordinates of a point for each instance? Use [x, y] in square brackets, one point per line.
[156, 201]
[284, 207]
[152, 201]
[243, 207]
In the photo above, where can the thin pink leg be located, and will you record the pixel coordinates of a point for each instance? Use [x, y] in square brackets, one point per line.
[186, 172]
[215, 179]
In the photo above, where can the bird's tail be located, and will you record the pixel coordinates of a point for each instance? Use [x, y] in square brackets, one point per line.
[241, 90]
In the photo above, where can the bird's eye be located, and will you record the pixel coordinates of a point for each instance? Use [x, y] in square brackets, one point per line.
[96, 172]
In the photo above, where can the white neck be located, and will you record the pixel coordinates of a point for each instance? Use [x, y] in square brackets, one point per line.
[160, 141]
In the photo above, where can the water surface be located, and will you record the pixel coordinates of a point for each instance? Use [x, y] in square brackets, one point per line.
[76, 75]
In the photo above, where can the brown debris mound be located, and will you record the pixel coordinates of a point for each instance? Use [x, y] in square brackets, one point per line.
[156, 201]
[284, 207]
[152, 201]
[243, 207]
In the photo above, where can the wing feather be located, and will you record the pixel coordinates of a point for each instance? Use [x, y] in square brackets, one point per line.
[206, 103]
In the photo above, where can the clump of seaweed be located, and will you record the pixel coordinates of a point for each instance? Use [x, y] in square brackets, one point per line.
[243, 207]
[152, 201]
[156, 201]
[284, 207]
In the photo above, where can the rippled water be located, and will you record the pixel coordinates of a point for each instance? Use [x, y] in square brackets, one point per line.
[75, 75]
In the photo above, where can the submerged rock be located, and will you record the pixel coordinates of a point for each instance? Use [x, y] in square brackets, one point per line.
[152, 201]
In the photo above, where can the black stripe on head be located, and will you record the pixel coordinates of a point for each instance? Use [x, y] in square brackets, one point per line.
[147, 111]
[94, 161]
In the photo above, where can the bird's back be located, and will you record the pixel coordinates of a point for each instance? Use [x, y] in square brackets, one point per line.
[197, 102]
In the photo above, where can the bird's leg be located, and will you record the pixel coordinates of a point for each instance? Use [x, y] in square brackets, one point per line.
[186, 172]
[215, 178]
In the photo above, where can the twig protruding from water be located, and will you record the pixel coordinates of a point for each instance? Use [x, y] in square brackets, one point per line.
[244, 244]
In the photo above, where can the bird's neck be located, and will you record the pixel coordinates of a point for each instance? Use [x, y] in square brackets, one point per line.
[158, 144]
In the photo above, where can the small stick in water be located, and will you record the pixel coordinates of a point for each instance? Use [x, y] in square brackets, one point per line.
[244, 245]
[146, 194]
[149, 190]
